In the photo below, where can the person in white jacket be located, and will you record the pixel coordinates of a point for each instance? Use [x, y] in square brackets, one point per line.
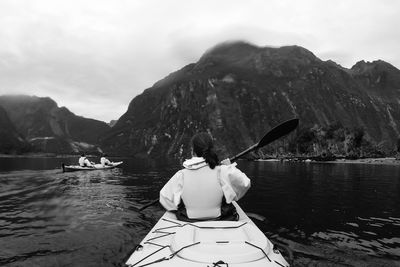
[84, 162]
[104, 161]
[204, 190]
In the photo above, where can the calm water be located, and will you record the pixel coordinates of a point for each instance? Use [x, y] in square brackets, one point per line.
[328, 214]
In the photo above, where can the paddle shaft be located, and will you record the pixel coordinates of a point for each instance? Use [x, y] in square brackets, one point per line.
[149, 204]
[244, 152]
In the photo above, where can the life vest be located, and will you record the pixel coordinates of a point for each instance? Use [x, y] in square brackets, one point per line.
[104, 161]
[202, 193]
[82, 161]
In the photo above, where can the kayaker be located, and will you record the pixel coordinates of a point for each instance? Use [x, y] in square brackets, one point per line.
[84, 162]
[204, 189]
[104, 161]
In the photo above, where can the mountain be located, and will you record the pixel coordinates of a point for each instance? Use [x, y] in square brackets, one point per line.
[238, 91]
[11, 141]
[49, 128]
[379, 78]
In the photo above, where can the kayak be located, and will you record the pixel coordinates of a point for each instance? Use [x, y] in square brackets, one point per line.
[174, 243]
[72, 168]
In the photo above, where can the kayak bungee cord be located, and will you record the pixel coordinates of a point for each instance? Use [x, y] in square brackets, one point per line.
[167, 234]
[151, 254]
[259, 249]
[218, 264]
[179, 225]
[163, 258]
[194, 225]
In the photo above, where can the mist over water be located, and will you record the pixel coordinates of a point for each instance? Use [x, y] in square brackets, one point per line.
[332, 214]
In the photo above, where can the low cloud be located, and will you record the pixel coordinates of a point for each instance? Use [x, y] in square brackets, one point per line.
[94, 56]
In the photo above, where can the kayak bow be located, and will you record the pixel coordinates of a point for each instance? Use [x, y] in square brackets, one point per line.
[208, 243]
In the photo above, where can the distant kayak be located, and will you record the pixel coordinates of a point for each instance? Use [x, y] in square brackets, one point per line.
[72, 168]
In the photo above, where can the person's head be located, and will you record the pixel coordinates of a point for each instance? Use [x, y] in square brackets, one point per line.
[104, 155]
[202, 145]
[83, 154]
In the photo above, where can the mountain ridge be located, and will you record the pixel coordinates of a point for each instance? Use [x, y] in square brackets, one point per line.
[11, 142]
[237, 91]
[49, 128]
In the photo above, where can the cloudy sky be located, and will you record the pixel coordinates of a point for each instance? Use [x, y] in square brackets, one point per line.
[95, 56]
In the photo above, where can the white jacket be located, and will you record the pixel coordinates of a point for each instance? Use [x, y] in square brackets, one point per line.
[201, 188]
[104, 161]
[83, 161]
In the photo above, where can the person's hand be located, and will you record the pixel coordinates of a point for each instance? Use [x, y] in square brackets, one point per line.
[226, 162]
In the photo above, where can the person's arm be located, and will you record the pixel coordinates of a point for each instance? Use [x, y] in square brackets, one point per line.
[234, 183]
[88, 163]
[170, 194]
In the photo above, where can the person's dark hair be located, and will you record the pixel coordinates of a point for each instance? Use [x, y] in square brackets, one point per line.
[203, 146]
[83, 154]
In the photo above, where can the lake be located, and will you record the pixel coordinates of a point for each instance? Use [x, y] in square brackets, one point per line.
[328, 214]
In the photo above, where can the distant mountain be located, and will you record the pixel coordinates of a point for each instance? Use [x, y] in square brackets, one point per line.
[238, 91]
[49, 128]
[10, 140]
[381, 79]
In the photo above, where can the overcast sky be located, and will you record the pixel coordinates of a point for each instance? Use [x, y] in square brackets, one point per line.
[95, 56]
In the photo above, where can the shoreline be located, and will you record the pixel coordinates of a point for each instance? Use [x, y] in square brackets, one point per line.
[38, 155]
[51, 155]
[370, 161]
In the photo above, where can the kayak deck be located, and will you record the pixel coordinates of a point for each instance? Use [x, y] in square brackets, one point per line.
[229, 243]
[72, 168]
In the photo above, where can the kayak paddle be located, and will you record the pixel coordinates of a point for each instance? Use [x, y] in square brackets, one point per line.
[276, 133]
[279, 131]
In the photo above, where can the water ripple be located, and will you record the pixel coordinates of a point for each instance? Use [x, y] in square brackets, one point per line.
[375, 236]
[329, 215]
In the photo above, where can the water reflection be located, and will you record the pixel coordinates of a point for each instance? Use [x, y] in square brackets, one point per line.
[326, 213]
[348, 206]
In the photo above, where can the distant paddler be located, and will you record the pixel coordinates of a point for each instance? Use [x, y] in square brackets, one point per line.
[84, 162]
[104, 161]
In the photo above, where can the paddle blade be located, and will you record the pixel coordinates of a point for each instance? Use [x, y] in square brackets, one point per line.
[278, 132]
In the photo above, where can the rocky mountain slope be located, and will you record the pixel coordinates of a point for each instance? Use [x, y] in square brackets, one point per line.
[11, 141]
[49, 128]
[237, 91]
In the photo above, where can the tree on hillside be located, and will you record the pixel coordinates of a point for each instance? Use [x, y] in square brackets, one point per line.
[304, 141]
[398, 145]
[398, 149]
